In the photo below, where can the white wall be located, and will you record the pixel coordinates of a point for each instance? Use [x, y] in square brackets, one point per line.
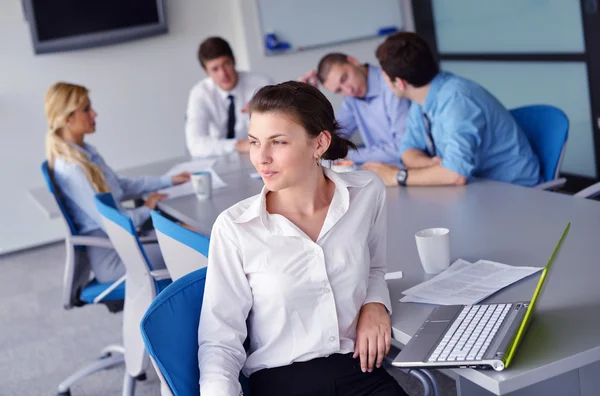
[290, 66]
[139, 89]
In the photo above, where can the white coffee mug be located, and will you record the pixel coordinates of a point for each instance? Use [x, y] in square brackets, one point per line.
[433, 245]
[202, 184]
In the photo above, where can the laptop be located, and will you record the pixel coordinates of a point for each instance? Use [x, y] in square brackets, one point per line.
[475, 336]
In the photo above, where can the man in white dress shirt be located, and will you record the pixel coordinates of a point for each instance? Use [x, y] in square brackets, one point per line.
[216, 118]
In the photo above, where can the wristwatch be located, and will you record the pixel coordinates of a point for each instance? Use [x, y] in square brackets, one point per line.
[401, 177]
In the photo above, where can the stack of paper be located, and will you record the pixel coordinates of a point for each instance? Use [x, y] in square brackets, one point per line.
[191, 166]
[464, 283]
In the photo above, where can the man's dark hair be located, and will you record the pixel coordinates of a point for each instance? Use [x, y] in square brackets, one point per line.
[306, 106]
[407, 56]
[213, 48]
[335, 58]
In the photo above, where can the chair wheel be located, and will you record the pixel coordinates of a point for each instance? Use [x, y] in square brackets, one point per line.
[65, 393]
[141, 377]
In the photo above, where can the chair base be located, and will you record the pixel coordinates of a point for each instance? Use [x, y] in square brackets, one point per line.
[110, 356]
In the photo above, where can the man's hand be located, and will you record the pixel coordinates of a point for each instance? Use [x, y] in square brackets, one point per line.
[386, 172]
[310, 78]
[246, 109]
[242, 146]
[153, 199]
[181, 178]
[373, 336]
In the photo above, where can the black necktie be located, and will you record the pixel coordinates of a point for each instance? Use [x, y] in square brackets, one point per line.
[231, 118]
[429, 136]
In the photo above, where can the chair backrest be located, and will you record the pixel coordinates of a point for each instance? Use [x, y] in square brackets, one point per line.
[77, 268]
[170, 332]
[56, 194]
[140, 288]
[184, 250]
[547, 129]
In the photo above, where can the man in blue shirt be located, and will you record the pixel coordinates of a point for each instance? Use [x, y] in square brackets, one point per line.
[456, 129]
[369, 106]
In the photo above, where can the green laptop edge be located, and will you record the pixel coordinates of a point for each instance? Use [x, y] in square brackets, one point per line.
[528, 314]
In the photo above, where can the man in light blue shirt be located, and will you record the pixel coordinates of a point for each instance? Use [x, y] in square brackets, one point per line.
[369, 106]
[456, 129]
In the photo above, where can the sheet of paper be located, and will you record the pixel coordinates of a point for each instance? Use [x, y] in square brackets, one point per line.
[465, 284]
[196, 165]
[187, 189]
[393, 275]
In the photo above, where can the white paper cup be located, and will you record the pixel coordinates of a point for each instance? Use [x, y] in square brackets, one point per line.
[202, 184]
[433, 245]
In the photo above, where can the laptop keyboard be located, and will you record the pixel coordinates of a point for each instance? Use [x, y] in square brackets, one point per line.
[471, 333]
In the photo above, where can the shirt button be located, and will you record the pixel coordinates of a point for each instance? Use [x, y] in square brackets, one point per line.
[317, 250]
[326, 290]
[332, 339]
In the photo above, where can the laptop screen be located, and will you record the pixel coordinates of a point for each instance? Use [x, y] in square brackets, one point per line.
[534, 299]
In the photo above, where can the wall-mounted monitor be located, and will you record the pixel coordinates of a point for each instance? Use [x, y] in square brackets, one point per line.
[62, 25]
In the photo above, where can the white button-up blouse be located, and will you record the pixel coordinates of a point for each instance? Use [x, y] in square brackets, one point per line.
[295, 299]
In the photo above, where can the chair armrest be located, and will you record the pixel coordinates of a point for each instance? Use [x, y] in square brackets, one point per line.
[435, 389]
[160, 274]
[552, 184]
[112, 287]
[424, 376]
[589, 192]
[148, 239]
[85, 240]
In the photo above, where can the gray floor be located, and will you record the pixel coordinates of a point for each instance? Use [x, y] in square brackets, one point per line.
[41, 343]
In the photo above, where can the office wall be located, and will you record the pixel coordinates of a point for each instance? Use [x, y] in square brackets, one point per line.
[291, 66]
[138, 88]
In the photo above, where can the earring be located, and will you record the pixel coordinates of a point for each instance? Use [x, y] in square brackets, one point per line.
[318, 161]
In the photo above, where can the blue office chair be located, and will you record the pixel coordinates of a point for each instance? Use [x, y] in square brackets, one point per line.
[143, 285]
[170, 332]
[80, 288]
[547, 129]
[184, 250]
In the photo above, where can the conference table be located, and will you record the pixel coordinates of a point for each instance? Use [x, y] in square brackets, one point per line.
[560, 354]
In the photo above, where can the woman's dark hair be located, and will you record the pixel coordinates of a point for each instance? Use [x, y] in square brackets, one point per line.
[407, 56]
[213, 48]
[307, 106]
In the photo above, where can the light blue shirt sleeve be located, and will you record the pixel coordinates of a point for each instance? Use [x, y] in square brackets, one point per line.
[397, 110]
[387, 152]
[464, 122]
[133, 188]
[414, 138]
[75, 184]
[345, 118]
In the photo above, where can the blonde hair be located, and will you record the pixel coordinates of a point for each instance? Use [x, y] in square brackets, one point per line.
[62, 100]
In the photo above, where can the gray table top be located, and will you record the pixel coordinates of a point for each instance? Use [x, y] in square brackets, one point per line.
[487, 220]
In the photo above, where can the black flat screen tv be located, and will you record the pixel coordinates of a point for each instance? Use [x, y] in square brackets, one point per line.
[63, 25]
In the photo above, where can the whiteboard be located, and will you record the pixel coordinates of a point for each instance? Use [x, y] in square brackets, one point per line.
[306, 24]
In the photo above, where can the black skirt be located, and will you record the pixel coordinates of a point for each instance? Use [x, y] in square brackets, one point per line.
[335, 375]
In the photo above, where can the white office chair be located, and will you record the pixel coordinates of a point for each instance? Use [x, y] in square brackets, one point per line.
[143, 284]
[589, 192]
[184, 250]
[80, 288]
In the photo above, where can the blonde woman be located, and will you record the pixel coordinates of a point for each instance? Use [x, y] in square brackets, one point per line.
[80, 172]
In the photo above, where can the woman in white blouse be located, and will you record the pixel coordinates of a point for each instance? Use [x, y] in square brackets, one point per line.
[298, 269]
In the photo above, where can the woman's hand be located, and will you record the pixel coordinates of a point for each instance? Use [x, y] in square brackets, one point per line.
[373, 336]
[153, 199]
[181, 178]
